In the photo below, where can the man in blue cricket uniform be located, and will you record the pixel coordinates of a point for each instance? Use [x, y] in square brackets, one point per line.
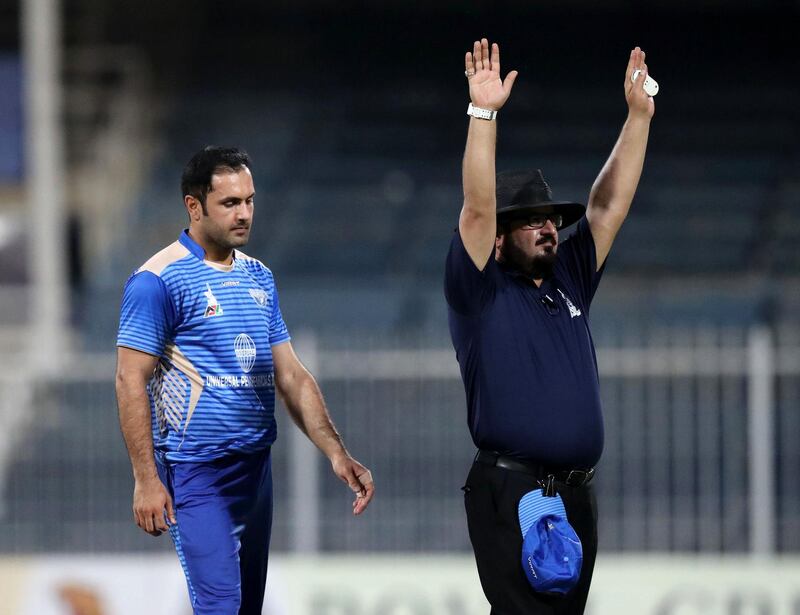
[201, 348]
[518, 305]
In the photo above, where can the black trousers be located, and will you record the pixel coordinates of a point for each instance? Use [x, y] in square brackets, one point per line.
[491, 497]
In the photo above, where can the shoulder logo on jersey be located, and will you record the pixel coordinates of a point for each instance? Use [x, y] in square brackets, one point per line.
[245, 349]
[213, 308]
[573, 311]
[260, 296]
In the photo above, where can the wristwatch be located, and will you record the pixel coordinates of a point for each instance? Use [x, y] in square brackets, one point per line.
[481, 114]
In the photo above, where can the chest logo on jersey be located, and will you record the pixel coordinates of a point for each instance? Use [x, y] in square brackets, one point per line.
[245, 349]
[259, 295]
[213, 308]
[573, 311]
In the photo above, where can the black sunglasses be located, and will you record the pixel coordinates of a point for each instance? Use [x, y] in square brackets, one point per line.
[539, 220]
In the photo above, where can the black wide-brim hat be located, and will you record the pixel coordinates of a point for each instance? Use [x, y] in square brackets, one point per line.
[522, 193]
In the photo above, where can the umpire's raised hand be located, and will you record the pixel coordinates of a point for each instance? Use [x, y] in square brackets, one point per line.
[639, 103]
[487, 89]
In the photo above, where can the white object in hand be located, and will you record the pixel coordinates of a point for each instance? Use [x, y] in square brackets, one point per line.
[650, 84]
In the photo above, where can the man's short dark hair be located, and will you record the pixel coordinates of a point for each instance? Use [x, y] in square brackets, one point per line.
[196, 178]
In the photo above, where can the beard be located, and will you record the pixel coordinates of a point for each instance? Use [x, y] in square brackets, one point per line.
[538, 267]
[226, 239]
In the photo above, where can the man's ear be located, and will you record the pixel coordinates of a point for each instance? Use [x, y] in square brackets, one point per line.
[498, 242]
[193, 207]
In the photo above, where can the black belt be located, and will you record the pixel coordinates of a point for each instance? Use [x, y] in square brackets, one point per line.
[571, 478]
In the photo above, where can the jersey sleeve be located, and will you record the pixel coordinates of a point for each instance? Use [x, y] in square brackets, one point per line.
[148, 316]
[578, 260]
[278, 331]
[467, 289]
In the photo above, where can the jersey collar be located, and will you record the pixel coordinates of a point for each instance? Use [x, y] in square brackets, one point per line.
[526, 279]
[191, 245]
[196, 249]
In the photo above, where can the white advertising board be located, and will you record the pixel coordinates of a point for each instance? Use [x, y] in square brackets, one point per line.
[396, 585]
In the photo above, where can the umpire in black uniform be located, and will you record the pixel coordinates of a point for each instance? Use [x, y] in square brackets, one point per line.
[518, 304]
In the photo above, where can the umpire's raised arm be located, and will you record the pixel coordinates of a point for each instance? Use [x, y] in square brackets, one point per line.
[613, 190]
[488, 93]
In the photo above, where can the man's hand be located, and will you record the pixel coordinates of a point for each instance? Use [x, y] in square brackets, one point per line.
[639, 103]
[150, 501]
[487, 90]
[357, 477]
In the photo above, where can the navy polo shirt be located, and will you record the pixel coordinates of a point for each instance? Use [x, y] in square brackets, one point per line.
[526, 354]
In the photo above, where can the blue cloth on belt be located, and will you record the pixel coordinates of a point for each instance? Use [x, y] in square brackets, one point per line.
[551, 550]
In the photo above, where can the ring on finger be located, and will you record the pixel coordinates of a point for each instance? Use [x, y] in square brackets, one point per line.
[469, 73]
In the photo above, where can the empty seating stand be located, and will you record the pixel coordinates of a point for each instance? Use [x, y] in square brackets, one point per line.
[368, 200]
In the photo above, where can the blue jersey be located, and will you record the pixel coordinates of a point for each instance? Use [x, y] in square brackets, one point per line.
[213, 328]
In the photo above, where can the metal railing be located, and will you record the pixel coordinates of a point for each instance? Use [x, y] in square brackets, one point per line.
[701, 450]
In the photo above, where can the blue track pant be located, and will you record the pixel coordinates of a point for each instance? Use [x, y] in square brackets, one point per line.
[224, 513]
